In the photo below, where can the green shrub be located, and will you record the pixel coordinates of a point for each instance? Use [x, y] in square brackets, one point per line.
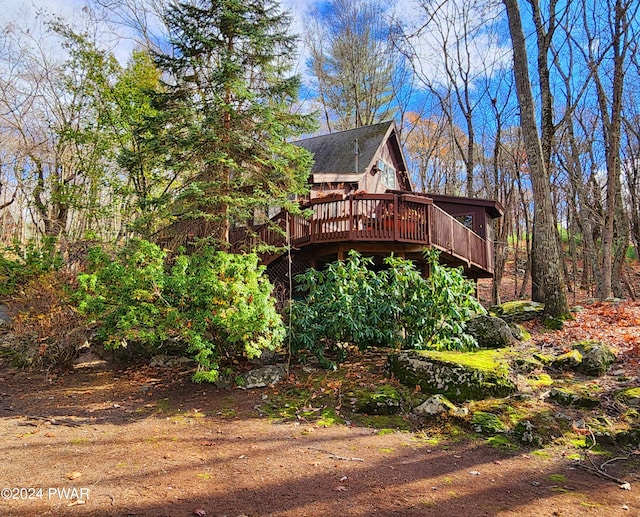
[340, 307]
[22, 264]
[46, 328]
[210, 305]
[431, 312]
[349, 303]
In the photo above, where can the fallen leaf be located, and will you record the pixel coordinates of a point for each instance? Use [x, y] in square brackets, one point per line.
[76, 502]
[474, 473]
[74, 475]
[625, 486]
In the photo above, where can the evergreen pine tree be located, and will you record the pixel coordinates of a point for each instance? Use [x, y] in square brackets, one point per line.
[226, 115]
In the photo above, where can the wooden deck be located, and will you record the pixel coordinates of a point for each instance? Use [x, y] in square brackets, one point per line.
[404, 219]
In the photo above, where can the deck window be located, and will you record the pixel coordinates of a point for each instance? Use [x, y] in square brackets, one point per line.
[466, 220]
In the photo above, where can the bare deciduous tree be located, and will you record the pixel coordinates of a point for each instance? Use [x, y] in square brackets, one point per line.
[545, 252]
[354, 62]
[611, 39]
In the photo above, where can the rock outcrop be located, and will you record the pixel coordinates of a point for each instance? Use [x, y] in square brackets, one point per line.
[491, 332]
[456, 375]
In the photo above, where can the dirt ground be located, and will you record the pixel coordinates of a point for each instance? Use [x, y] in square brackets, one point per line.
[146, 441]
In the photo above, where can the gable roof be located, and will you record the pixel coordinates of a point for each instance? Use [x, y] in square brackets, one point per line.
[335, 152]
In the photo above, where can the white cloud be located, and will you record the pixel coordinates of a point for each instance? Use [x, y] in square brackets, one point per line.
[32, 16]
[25, 10]
[444, 36]
[429, 43]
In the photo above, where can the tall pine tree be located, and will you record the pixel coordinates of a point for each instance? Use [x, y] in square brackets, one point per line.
[226, 115]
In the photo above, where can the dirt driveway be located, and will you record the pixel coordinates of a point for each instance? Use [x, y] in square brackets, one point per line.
[147, 441]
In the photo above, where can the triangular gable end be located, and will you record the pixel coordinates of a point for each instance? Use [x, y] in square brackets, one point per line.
[346, 160]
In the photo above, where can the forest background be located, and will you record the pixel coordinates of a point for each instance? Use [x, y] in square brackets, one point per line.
[80, 82]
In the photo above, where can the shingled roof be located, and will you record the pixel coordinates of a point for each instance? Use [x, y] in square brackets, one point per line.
[335, 152]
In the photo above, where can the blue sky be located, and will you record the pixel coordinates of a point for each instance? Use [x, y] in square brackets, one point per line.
[428, 45]
[24, 11]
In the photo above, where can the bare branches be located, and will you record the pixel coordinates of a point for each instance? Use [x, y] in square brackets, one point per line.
[353, 61]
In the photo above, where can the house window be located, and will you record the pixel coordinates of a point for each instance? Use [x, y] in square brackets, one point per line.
[466, 220]
[387, 174]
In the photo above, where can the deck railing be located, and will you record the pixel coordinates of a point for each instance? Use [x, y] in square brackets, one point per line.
[375, 217]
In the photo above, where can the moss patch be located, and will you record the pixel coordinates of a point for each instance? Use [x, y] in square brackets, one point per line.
[568, 361]
[329, 417]
[487, 423]
[384, 400]
[459, 376]
[568, 397]
[540, 380]
[486, 360]
[502, 442]
[630, 397]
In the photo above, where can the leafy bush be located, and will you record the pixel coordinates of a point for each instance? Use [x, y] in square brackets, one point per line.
[22, 264]
[47, 330]
[210, 304]
[341, 307]
[349, 303]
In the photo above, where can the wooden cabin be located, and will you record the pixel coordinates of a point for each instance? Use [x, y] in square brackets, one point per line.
[361, 198]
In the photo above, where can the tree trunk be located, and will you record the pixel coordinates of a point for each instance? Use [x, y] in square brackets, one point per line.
[621, 44]
[544, 245]
[543, 37]
[621, 243]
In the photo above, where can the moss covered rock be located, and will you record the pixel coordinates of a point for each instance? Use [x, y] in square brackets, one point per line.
[628, 436]
[487, 423]
[459, 376]
[540, 380]
[567, 397]
[597, 357]
[491, 332]
[436, 405]
[526, 433]
[518, 310]
[262, 377]
[630, 397]
[568, 361]
[385, 400]
[519, 332]
[525, 363]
